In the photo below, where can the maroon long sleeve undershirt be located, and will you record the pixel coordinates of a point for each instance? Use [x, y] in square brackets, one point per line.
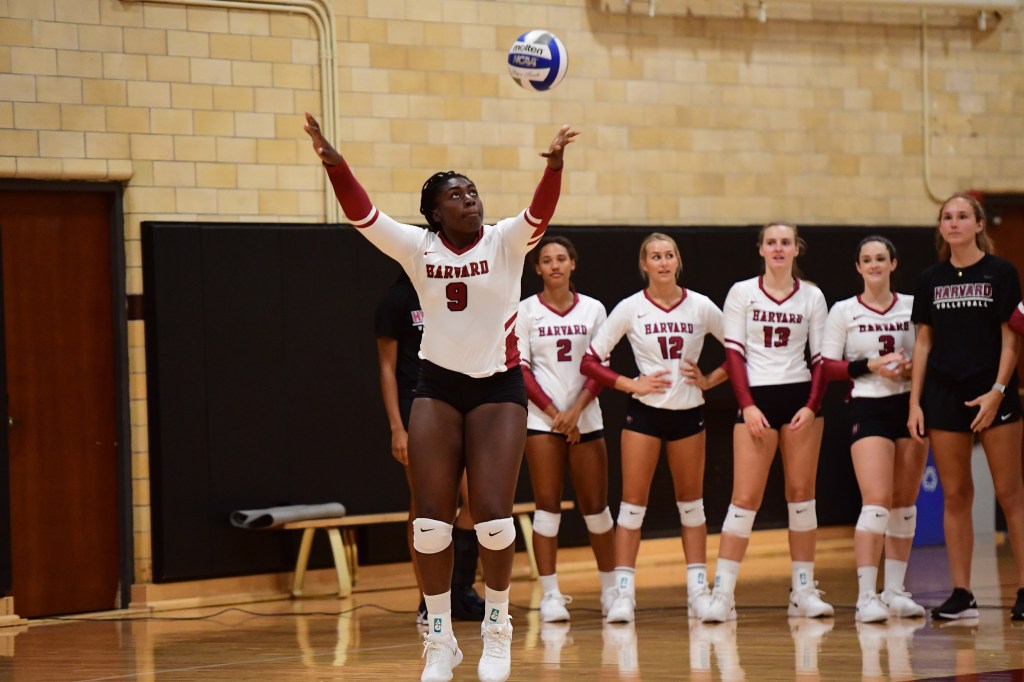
[353, 198]
[1017, 321]
[534, 392]
[597, 374]
[736, 366]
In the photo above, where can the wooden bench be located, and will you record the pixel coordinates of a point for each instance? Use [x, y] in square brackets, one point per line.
[341, 531]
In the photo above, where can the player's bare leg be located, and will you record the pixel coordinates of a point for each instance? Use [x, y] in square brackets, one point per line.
[495, 438]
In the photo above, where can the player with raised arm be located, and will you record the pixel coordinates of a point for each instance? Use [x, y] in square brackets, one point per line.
[470, 407]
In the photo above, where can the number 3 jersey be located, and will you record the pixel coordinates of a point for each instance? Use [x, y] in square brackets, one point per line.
[772, 335]
[662, 339]
[552, 345]
[469, 296]
[855, 331]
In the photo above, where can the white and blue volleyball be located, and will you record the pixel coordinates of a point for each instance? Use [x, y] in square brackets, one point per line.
[537, 60]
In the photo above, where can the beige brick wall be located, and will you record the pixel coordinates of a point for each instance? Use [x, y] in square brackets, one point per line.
[711, 118]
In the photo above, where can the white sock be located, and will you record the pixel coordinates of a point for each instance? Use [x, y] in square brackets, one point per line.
[696, 578]
[867, 576]
[607, 580]
[726, 572]
[625, 579]
[803, 574]
[439, 612]
[549, 583]
[895, 572]
[495, 605]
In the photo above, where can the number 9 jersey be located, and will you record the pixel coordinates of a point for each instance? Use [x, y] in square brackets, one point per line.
[661, 340]
[771, 334]
[855, 331]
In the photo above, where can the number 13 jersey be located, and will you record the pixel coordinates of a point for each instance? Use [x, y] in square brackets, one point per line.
[772, 334]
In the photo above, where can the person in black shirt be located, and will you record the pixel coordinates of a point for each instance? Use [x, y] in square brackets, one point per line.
[964, 384]
[399, 328]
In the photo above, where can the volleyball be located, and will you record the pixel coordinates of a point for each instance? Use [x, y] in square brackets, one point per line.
[537, 60]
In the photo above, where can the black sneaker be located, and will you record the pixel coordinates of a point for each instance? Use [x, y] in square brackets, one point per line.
[467, 604]
[421, 613]
[1017, 612]
[960, 604]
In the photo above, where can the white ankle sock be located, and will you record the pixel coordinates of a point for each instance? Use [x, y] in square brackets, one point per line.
[895, 572]
[549, 583]
[696, 578]
[625, 579]
[867, 576]
[803, 574]
[495, 605]
[726, 573]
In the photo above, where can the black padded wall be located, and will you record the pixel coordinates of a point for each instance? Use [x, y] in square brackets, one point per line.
[263, 380]
[262, 387]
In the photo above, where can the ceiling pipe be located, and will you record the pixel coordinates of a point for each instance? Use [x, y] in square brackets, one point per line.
[319, 12]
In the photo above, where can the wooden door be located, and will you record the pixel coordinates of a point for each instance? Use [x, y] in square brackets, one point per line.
[61, 383]
[5, 501]
[1005, 214]
[1006, 225]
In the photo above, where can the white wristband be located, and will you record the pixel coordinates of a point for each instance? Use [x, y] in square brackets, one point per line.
[999, 387]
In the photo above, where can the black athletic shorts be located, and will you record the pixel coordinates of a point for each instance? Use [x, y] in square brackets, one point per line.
[405, 409]
[584, 437]
[465, 393]
[779, 403]
[664, 424]
[944, 409]
[884, 417]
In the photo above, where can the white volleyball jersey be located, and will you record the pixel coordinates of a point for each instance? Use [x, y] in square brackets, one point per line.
[661, 340]
[552, 345]
[855, 331]
[771, 334]
[469, 296]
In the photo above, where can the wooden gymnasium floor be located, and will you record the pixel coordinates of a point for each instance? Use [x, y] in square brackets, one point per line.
[372, 635]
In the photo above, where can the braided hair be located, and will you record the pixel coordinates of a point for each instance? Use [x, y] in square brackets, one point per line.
[428, 195]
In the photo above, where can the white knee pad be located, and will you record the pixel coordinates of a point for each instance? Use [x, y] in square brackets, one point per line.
[545, 523]
[631, 516]
[497, 534]
[600, 522]
[873, 519]
[739, 521]
[691, 514]
[902, 522]
[430, 536]
[803, 516]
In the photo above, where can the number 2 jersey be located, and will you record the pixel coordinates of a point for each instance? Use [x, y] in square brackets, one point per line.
[855, 331]
[661, 339]
[771, 334]
[551, 346]
[470, 296]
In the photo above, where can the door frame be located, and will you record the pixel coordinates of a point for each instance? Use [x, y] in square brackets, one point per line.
[118, 269]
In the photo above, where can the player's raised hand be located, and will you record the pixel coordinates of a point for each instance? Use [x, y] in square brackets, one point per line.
[566, 135]
[327, 153]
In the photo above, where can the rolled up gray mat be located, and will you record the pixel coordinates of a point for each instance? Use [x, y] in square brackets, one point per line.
[273, 517]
